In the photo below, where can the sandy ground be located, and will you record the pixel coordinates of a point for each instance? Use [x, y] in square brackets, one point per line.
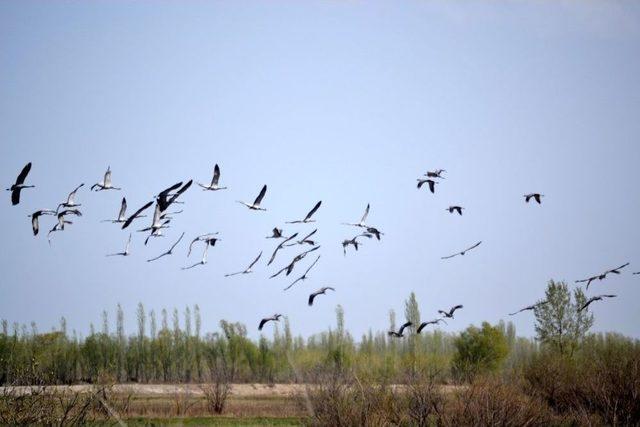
[159, 390]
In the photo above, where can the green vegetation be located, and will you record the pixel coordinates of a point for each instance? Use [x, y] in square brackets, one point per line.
[479, 351]
[566, 376]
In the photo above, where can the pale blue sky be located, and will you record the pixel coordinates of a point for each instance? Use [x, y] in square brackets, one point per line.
[341, 101]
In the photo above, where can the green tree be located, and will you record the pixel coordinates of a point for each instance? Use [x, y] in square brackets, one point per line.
[559, 323]
[479, 350]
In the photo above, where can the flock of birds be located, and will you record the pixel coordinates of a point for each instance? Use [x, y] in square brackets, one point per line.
[162, 218]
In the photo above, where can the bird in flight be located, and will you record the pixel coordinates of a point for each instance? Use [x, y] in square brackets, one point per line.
[529, 307]
[106, 182]
[430, 322]
[536, 196]
[168, 252]
[62, 221]
[71, 199]
[432, 184]
[157, 225]
[307, 218]
[274, 318]
[375, 232]
[603, 275]
[400, 332]
[289, 267]
[203, 238]
[276, 233]
[462, 252]
[449, 314]
[435, 174]
[135, 215]
[321, 291]
[213, 186]
[166, 198]
[17, 187]
[248, 269]
[353, 242]
[34, 219]
[453, 209]
[126, 249]
[280, 246]
[304, 276]
[363, 220]
[594, 299]
[203, 261]
[305, 240]
[256, 203]
[121, 215]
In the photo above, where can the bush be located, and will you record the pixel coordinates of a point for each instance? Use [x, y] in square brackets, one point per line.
[479, 351]
[491, 402]
[602, 378]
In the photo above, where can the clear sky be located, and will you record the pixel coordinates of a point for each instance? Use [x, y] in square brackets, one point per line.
[347, 102]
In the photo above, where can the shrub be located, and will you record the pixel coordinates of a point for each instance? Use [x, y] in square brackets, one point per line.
[479, 351]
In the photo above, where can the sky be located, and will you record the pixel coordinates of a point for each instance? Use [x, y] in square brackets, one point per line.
[347, 102]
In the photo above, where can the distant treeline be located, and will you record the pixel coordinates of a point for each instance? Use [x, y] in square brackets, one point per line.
[172, 348]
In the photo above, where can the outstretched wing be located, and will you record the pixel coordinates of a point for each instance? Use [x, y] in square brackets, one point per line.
[123, 209]
[258, 199]
[366, 214]
[453, 309]
[262, 322]
[312, 211]
[406, 325]
[273, 256]
[473, 247]
[449, 256]
[255, 260]
[216, 175]
[23, 174]
[135, 215]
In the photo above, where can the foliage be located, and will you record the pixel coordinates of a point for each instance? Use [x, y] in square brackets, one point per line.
[560, 324]
[479, 350]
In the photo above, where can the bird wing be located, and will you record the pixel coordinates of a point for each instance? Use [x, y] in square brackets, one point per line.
[450, 256]
[432, 186]
[178, 193]
[312, 297]
[262, 322]
[420, 182]
[134, 216]
[216, 175]
[405, 325]
[311, 266]
[177, 241]
[309, 235]
[473, 247]
[23, 174]
[107, 177]
[123, 209]
[366, 213]
[72, 195]
[258, 199]
[255, 260]
[615, 270]
[421, 327]
[312, 211]
[34, 225]
[15, 196]
[280, 246]
[455, 308]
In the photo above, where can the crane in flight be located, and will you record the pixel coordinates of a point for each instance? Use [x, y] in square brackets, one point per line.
[19, 185]
[105, 184]
[213, 186]
[256, 203]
